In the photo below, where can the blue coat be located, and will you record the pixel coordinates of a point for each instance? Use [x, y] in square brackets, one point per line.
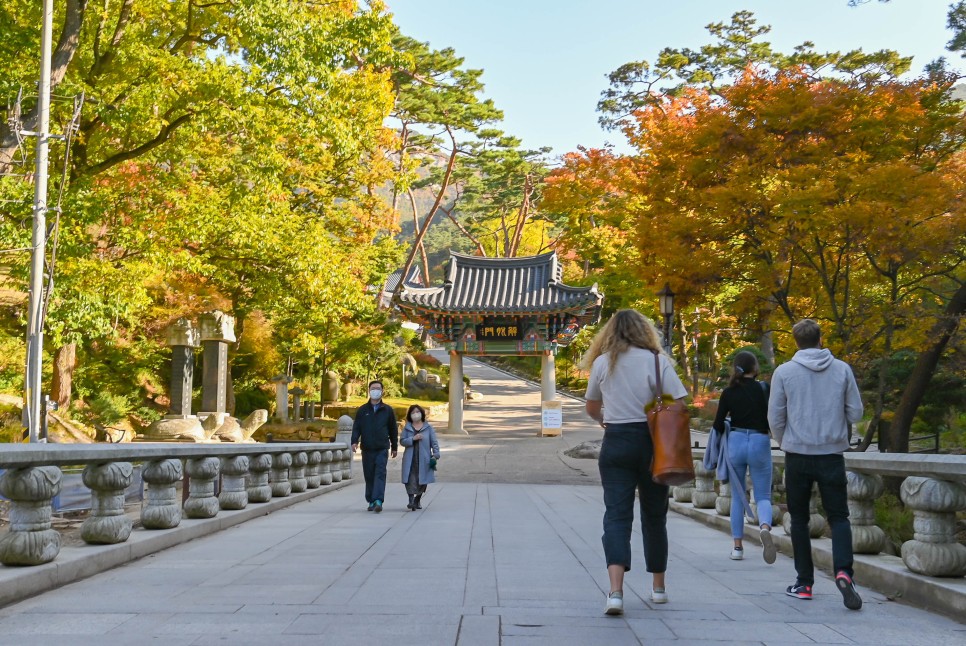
[428, 446]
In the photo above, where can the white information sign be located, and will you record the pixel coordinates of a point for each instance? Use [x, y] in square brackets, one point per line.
[552, 418]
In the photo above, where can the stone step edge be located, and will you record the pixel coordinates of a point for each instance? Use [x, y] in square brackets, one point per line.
[883, 573]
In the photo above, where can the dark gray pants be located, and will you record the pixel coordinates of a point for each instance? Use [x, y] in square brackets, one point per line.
[624, 463]
[374, 471]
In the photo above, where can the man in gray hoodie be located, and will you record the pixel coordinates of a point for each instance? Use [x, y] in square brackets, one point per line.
[814, 401]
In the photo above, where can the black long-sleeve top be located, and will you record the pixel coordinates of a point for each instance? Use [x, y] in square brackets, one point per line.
[746, 403]
[376, 427]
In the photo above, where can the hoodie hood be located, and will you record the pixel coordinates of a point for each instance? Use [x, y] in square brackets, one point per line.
[815, 359]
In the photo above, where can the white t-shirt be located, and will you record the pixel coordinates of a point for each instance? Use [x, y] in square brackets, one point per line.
[631, 385]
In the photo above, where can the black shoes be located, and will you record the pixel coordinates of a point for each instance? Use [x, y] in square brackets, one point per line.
[850, 597]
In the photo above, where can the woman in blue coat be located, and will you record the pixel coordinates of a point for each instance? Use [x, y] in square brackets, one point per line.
[422, 451]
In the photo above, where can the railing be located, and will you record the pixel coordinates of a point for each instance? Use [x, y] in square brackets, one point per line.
[933, 487]
[249, 473]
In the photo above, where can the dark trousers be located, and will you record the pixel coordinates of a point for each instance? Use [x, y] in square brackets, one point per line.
[829, 472]
[624, 463]
[374, 471]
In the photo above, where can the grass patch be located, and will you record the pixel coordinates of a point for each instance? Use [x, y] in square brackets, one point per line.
[894, 518]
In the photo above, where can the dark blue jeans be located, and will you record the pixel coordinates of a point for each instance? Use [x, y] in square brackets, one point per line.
[374, 471]
[829, 472]
[625, 467]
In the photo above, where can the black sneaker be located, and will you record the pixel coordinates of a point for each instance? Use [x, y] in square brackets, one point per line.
[851, 598]
[799, 591]
[372, 506]
[378, 506]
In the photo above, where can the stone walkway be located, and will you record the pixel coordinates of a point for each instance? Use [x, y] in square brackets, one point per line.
[506, 551]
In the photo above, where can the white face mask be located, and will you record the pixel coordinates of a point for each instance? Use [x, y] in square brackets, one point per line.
[417, 417]
[375, 393]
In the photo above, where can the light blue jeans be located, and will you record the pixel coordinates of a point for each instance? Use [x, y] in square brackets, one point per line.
[751, 451]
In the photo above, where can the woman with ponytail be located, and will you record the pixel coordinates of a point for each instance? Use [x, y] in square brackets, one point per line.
[745, 400]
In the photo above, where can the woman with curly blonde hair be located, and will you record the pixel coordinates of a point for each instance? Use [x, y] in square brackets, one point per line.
[622, 382]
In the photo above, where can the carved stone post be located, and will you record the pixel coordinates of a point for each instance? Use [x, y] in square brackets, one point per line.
[934, 550]
[281, 487]
[685, 492]
[163, 508]
[217, 331]
[343, 433]
[281, 396]
[816, 521]
[257, 482]
[297, 472]
[327, 468]
[336, 467]
[234, 494]
[183, 337]
[30, 539]
[722, 504]
[346, 464]
[704, 495]
[863, 489]
[297, 403]
[107, 523]
[313, 472]
[309, 410]
[201, 502]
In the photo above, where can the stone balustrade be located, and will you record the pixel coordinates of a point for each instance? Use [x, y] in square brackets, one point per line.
[933, 487]
[32, 477]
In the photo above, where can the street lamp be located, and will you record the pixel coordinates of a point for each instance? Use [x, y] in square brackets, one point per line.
[667, 309]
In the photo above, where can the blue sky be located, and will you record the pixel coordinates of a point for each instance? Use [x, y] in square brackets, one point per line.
[545, 61]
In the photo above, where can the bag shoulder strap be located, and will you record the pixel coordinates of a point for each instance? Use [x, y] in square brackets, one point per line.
[659, 396]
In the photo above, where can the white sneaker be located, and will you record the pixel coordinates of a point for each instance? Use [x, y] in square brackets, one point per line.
[615, 604]
[737, 554]
[769, 553]
[658, 595]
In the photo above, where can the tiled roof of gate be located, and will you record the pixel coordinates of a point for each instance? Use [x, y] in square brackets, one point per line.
[502, 286]
[392, 281]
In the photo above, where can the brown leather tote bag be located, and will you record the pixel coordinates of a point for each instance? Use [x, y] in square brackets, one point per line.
[673, 464]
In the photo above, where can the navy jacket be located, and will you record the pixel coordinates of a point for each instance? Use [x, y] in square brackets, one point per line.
[376, 428]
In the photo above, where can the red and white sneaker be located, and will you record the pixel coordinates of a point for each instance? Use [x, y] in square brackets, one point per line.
[850, 597]
[799, 591]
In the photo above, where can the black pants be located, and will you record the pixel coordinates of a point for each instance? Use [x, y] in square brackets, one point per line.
[624, 463]
[801, 471]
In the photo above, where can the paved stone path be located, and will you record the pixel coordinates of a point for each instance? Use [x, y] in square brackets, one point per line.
[496, 557]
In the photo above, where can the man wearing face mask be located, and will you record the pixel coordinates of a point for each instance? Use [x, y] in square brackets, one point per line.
[375, 426]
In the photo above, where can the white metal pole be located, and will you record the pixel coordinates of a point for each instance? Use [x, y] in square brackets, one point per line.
[35, 339]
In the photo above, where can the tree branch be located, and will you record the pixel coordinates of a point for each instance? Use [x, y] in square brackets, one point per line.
[100, 61]
[163, 135]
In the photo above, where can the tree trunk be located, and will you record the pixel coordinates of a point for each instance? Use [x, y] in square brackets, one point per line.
[684, 362]
[522, 216]
[469, 236]
[422, 247]
[65, 360]
[61, 57]
[421, 232]
[896, 438]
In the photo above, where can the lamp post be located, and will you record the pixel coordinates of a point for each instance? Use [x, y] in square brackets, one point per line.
[667, 310]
